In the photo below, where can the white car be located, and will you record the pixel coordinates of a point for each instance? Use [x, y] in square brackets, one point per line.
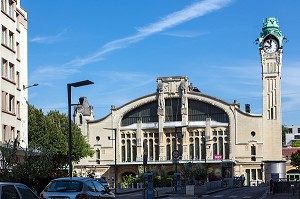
[75, 188]
[10, 190]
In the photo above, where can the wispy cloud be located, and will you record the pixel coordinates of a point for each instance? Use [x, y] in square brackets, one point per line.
[185, 34]
[191, 12]
[48, 39]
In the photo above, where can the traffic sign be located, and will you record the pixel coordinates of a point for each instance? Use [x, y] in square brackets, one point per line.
[175, 154]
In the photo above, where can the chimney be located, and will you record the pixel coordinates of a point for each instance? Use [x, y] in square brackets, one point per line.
[247, 107]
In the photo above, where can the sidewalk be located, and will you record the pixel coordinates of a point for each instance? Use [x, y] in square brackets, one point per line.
[281, 196]
[163, 192]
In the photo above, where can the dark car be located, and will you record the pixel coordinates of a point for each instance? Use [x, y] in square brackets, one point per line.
[103, 181]
[75, 188]
[15, 190]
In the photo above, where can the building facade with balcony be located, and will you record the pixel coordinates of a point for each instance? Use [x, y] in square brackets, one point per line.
[179, 119]
[14, 69]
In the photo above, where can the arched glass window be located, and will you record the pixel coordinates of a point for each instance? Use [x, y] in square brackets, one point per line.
[128, 151]
[197, 148]
[168, 152]
[203, 149]
[215, 148]
[173, 143]
[191, 151]
[221, 146]
[226, 151]
[123, 154]
[151, 149]
[134, 153]
[156, 151]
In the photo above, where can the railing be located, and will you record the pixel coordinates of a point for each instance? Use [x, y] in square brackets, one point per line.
[284, 185]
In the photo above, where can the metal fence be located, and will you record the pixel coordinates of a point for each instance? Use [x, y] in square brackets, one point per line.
[284, 185]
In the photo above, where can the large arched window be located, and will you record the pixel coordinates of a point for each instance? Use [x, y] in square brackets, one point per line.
[146, 113]
[173, 109]
[199, 111]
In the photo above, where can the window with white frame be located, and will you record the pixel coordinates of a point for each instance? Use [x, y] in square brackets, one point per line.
[11, 40]
[18, 109]
[18, 80]
[11, 105]
[11, 8]
[4, 100]
[3, 5]
[4, 68]
[18, 50]
[4, 32]
[11, 74]
[5, 134]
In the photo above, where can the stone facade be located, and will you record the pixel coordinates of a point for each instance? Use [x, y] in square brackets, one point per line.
[225, 139]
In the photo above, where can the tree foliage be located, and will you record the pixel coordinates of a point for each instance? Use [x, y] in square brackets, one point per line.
[50, 133]
[295, 159]
[295, 143]
[284, 131]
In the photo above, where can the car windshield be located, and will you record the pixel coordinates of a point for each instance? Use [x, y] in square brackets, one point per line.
[64, 186]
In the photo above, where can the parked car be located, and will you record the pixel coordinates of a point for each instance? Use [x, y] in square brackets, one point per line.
[16, 190]
[103, 182]
[75, 188]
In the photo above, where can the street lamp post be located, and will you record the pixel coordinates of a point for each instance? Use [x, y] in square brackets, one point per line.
[75, 84]
[114, 139]
[176, 160]
[25, 87]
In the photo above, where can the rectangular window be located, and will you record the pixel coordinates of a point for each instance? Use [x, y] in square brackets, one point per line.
[5, 134]
[11, 40]
[4, 101]
[18, 109]
[253, 150]
[297, 137]
[18, 50]
[4, 68]
[253, 174]
[18, 20]
[12, 133]
[11, 106]
[11, 9]
[18, 80]
[290, 130]
[11, 75]
[4, 32]
[298, 130]
[3, 5]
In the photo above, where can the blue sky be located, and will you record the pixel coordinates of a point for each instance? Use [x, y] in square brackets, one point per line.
[123, 46]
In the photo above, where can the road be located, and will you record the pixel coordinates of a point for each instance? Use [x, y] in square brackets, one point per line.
[238, 193]
[244, 192]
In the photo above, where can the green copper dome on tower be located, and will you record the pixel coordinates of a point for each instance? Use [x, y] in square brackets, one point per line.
[270, 27]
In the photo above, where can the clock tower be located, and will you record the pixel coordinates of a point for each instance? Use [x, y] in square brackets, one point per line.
[271, 49]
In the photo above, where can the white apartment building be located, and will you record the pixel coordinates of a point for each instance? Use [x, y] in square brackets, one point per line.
[293, 134]
[14, 69]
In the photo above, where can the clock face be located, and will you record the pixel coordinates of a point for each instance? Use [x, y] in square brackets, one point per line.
[270, 45]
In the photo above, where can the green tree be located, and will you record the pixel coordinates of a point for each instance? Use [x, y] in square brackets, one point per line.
[295, 143]
[295, 159]
[284, 131]
[50, 133]
[200, 172]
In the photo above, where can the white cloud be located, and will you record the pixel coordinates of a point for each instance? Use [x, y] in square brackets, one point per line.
[191, 12]
[48, 39]
[185, 34]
